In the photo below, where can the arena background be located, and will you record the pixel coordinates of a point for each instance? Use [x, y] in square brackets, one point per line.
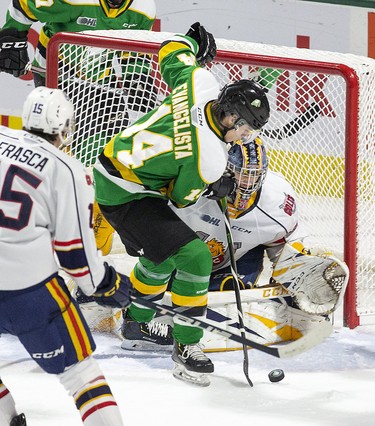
[342, 26]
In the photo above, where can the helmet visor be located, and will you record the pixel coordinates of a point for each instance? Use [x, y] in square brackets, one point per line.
[244, 131]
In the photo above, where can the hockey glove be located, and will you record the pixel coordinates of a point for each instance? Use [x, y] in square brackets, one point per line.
[13, 51]
[114, 290]
[222, 187]
[206, 43]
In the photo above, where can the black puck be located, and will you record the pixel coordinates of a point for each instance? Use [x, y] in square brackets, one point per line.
[276, 375]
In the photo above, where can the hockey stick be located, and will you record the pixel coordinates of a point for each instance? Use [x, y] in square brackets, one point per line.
[40, 70]
[287, 350]
[297, 124]
[233, 266]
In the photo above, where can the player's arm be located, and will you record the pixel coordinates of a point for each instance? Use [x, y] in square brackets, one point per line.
[180, 55]
[13, 36]
[182, 191]
[74, 241]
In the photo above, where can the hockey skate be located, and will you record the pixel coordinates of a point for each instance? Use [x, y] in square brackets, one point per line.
[192, 365]
[143, 336]
[19, 420]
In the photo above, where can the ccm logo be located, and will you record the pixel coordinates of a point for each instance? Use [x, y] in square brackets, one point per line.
[14, 44]
[277, 291]
[46, 355]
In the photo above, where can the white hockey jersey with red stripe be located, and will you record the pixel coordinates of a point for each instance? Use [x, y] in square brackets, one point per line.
[271, 220]
[45, 208]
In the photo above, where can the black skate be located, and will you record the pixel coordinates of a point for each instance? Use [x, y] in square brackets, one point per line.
[19, 420]
[146, 336]
[192, 365]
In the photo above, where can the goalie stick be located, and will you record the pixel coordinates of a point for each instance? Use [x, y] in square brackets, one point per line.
[236, 286]
[304, 343]
[302, 121]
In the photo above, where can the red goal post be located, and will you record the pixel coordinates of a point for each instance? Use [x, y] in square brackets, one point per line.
[321, 134]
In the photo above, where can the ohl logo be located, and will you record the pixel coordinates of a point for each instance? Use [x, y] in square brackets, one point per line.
[83, 20]
[212, 220]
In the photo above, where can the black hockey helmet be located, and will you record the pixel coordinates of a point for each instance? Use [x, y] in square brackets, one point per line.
[248, 100]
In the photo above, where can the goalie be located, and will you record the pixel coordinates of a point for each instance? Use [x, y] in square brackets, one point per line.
[264, 218]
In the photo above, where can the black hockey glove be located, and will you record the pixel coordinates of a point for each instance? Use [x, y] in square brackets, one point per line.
[206, 43]
[222, 187]
[114, 290]
[13, 51]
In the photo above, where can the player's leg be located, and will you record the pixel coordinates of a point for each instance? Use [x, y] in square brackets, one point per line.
[189, 295]
[139, 329]
[148, 227]
[49, 324]
[192, 264]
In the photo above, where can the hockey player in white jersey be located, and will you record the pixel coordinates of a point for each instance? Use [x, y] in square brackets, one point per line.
[263, 213]
[46, 223]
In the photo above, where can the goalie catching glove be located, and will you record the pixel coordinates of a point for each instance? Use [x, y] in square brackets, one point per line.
[13, 51]
[222, 187]
[316, 283]
[114, 290]
[206, 43]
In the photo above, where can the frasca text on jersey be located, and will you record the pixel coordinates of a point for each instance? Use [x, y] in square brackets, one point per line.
[181, 122]
[23, 155]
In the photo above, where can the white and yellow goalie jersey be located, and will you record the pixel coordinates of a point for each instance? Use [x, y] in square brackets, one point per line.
[271, 220]
[45, 208]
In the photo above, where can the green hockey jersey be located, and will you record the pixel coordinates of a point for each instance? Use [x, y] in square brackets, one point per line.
[175, 150]
[75, 16]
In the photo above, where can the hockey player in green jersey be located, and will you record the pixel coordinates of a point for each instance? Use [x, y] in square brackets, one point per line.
[90, 68]
[177, 152]
[68, 16]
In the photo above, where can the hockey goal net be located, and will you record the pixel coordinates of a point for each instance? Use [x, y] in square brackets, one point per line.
[321, 134]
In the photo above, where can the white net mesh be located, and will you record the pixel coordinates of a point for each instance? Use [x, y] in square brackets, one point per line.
[313, 116]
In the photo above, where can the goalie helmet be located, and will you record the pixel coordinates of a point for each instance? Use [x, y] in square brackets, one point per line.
[48, 111]
[249, 164]
[248, 100]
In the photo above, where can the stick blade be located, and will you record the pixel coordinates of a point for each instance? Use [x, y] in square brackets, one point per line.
[315, 336]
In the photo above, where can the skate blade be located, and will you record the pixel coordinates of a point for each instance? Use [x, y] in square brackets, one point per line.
[198, 379]
[142, 346]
